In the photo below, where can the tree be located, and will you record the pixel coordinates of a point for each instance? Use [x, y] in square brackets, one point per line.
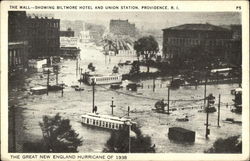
[231, 144]
[119, 142]
[135, 68]
[91, 67]
[115, 69]
[58, 135]
[147, 47]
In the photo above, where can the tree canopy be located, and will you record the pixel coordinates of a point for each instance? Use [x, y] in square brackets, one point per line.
[91, 67]
[231, 144]
[135, 68]
[147, 47]
[119, 142]
[58, 135]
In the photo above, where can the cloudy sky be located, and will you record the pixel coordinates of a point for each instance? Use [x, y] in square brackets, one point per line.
[154, 20]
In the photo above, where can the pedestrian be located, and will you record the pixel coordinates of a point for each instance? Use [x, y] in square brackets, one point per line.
[95, 109]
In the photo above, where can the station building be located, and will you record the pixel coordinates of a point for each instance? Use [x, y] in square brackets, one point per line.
[181, 41]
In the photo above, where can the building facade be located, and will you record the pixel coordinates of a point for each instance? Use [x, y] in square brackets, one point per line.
[68, 44]
[18, 46]
[122, 27]
[68, 33]
[236, 43]
[43, 36]
[192, 39]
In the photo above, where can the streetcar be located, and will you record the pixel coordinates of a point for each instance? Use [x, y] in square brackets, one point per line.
[105, 121]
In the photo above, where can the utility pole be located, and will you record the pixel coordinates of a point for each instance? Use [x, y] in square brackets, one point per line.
[168, 99]
[205, 89]
[112, 105]
[57, 77]
[48, 82]
[62, 90]
[76, 65]
[154, 84]
[129, 142]
[210, 102]
[93, 87]
[207, 130]
[81, 76]
[218, 122]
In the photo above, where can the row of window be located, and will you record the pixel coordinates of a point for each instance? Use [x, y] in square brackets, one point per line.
[104, 124]
[183, 41]
[15, 57]
[50, 24]
[49, 49]
[188, 41]
[43, 33]
[45, 43]
[107, 79]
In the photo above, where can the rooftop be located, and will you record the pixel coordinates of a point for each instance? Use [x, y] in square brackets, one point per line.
[200, 27]
[179, 129]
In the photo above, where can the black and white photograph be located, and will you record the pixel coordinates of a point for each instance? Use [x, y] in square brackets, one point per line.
[98, 82]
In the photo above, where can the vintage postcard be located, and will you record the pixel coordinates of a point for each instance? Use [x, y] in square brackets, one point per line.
[124, 80]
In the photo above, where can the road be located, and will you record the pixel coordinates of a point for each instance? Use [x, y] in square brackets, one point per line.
[31, 108]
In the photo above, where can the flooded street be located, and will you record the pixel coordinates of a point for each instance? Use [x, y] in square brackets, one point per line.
[31, 108]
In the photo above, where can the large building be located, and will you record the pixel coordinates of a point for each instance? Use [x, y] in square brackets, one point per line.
[122, 27]
[43, 36]
[190, 39]
[68, 44]
[18, 46]
[236, 44]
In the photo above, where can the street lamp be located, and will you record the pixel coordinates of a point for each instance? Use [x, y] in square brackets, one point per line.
[93, 86]
[205, 89]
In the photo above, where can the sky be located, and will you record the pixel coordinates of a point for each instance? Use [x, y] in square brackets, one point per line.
[153, 20]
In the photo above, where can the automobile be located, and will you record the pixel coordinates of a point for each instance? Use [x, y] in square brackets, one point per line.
[79, 89]
[128, 62]
[115, 86]
[132, 87]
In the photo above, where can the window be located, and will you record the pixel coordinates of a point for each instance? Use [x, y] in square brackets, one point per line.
[106, 124]
[96, 122]
[87, 121]
[14, 57]
[10, 57]
[113, 126]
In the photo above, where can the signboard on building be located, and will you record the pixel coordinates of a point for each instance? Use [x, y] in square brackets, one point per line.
[68, 41]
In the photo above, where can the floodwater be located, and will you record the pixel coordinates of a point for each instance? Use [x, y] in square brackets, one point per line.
[31, 108]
